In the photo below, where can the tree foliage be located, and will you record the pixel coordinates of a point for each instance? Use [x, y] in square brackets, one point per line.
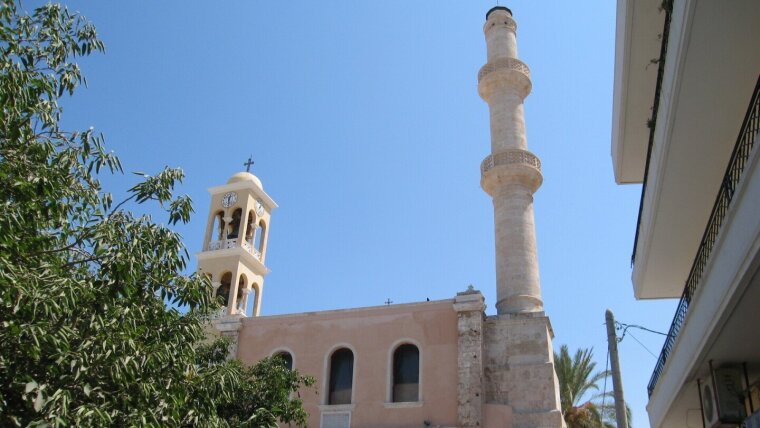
[89, 328]
[577, 381]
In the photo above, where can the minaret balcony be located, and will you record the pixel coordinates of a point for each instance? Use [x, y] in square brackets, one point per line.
[234, 243]
[504, 74]
[512, 166]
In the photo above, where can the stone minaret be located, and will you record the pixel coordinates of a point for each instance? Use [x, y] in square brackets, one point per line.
[510, 174]
[518, 362]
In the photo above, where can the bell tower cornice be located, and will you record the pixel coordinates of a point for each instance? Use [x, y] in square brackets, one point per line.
[242, 185]
[253, 261]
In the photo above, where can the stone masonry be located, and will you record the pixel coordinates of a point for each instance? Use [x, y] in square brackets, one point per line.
[469, 307]
[519, 369]
[229, 326]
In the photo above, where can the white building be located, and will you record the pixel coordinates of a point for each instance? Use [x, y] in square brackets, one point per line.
[686, 116]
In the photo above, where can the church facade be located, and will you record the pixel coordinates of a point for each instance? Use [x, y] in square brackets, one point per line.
[440, 363]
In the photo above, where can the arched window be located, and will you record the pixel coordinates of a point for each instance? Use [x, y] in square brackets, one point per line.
[341, 377]
[224, 289]
[260, 235]
[234, 229]
[286, 357]
[406, 373]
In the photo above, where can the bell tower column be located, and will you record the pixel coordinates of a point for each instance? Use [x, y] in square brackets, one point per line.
[510, 174]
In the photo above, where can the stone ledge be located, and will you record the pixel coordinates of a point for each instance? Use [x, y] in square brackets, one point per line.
[512, 166]
[504, 64]
[504, 74]
[404, 405]
[337, 407]
[511, 156]
[470, 300]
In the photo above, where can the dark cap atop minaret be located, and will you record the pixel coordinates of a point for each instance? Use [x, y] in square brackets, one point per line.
[498, 8]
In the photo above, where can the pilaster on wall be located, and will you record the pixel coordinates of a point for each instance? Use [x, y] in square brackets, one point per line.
[469, 307]
[519, 369]
[229, 326]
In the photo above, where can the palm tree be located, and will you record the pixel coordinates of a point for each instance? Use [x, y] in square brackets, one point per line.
[577, 380]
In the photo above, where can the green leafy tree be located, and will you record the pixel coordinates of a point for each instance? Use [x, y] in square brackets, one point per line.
[583, 406]
[89, 290]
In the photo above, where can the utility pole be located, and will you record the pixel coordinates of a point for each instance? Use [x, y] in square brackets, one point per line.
[617, 382]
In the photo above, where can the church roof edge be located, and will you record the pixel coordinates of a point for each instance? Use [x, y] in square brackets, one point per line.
[378, 308]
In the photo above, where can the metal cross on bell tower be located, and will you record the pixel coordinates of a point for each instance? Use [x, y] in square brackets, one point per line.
[248, 164]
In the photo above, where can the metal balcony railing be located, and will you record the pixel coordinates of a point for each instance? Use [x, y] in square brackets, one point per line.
[667, 7]
[748, 133]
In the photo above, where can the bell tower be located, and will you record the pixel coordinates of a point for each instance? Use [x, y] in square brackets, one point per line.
[235, 244]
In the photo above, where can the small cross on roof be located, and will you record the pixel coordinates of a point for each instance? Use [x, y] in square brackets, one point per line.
[248, 164]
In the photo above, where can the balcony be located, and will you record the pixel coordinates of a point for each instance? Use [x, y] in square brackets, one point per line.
[234, 243]
[732, 178]
[683, 138]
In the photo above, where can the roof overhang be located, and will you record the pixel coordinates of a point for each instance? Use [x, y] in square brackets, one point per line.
[711, 68]
[637, 44]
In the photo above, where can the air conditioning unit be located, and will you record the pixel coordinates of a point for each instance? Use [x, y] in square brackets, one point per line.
[753, 421]
[723, 398]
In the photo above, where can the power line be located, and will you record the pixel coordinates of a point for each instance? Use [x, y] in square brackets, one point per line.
[606, 370]
[625, 328]
[637, 340]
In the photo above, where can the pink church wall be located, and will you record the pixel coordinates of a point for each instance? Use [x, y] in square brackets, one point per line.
[372, 334]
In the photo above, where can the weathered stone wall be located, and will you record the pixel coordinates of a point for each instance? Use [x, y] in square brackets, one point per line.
[229, 326]
[518, 369]
[469, 307]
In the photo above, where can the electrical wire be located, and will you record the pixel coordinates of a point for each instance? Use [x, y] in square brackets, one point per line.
[606, 370]
[642, 345]
[625, 328]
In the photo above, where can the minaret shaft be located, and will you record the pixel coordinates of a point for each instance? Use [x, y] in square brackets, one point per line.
[507, 122]
[517, 262]
[511, 174]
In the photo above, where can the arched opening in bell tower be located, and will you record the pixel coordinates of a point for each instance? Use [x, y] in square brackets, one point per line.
[250, 229]
[217, 227]
[255, 291]
[242, 294]
[224, 289]
[261, 231]
[234, 229]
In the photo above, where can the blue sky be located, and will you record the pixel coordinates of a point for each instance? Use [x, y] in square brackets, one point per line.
[365, 125]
